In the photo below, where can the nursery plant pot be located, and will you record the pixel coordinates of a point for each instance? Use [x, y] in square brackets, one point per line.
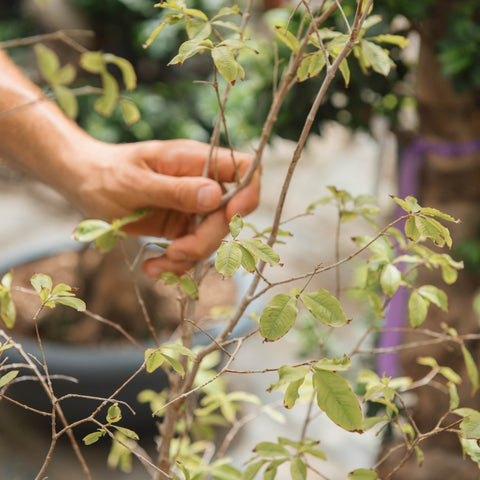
[99, 368]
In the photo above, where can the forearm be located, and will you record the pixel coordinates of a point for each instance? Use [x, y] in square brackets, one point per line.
[35, 135]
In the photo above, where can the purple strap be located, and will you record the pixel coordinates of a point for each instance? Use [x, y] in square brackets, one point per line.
[411, 162]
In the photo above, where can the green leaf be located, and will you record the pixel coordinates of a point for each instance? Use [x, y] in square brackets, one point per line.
[376, 56]
[287, 38]
[190, 48]
[454, 398]
[298, 469]
[417, 309]
[261, 250]
[6, 281]
[200, 30]
[253, 469]
[8, 312]
[471, 448]
[130, 112]
[397, 40]
[311, 66]
[154, 359]
[278, 317]
[401, 203]
[470, 426]
[236, 225]
[114, 414]
[390, 279]
[8, 377]
[67, 101]
[127, 432]
[363, 474]
[48, 62]
[228, 259]
[175, 364]
[128, 72]
[324, 307]
[411, 230]
[287, 374]
[42, 285]
[93, 437]
[93, 62]
[71, 302]
[291, 393]
[89, 230]
[189, 287]
[433, 212]
[336, 398]
[472, 369]
[434, 230]
[334, 364]
[270, 450]
[154, 34]
[345, 71]
[248, 260]
[108, 240]
[434, 295]
[106, 103]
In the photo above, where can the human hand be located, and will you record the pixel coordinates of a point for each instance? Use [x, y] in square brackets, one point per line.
[166, 177]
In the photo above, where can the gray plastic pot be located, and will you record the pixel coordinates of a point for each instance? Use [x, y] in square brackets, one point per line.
[99, 370]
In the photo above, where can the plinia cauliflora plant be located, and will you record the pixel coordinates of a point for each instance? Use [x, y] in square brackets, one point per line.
[336, 382]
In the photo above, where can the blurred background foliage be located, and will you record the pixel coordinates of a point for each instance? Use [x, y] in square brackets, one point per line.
[173, 106]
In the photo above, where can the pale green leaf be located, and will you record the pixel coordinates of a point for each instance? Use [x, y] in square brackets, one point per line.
[433, 212]
[93, 437]
[175, 364]
[470, 426]
[260, 250]
[42, 284]
[471, 448]
[128, 72]
[67, 101]
[189, 287]
[311, 66]
[252, 469]
[225, 62]
[324, 307]
[190, 48]
[154, 34]
[89, 230]
[333, 364]
[287, 38]
[48, 62]
[8, 377]
[92, 62]
[287, 374]
[270, 450]
[278, 317]
[6, 281]
[228, 259]
[336, 398]
[363, 474]
[417, 309]
[376, 56]
[454, 398]
[248, 260]
[291, 393]
[193, 12]
[411, 230]
[106, 103]
[8, 312]
[108, 240]
[71, 302]
[402, 203]
[298, 469]
[236, 225]
[65, 75]
[130, 112]
[345, 71]
[472, 369]
[434, 295]
[154, 359]
[390, 279]
[196, 29]
[397, 40]
[127, 432]
[114, 414]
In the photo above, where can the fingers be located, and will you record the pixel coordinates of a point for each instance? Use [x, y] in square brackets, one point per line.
[184, 251]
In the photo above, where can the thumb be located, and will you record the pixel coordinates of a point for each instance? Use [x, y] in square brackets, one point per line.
[185, 194]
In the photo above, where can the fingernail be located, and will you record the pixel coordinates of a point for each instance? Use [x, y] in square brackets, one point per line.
[207, 197]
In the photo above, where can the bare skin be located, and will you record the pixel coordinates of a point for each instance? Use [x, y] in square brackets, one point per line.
[109, 181]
